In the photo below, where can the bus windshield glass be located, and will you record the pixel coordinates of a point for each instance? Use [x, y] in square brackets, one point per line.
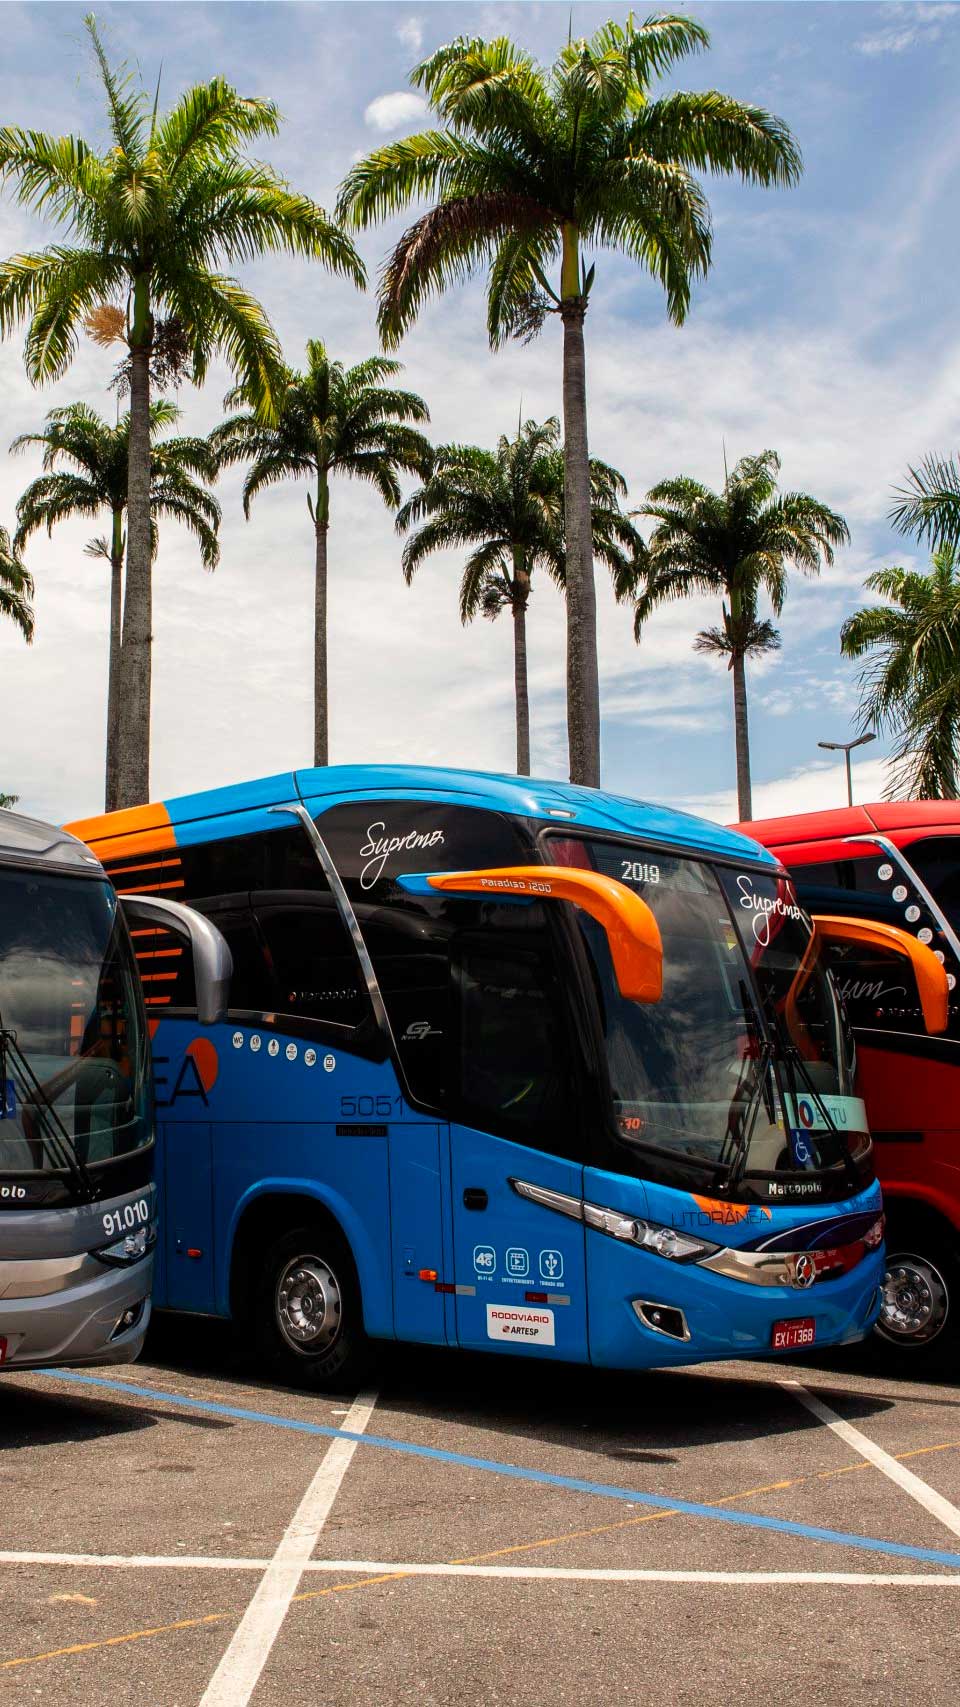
[742, 1068]
[74, 1089]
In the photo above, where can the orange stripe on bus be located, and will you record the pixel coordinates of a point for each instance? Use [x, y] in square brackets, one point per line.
[137, 830]
[158, 953]
[157, 977]
[147, 888]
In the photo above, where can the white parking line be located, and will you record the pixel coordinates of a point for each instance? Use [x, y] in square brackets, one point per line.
[934, 1503]
[236, 1677]
[509, 1573]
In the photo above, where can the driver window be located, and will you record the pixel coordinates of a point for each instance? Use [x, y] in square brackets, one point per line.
[513, 1066]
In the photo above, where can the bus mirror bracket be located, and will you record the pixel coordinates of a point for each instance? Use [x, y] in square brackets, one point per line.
[930, 975]
[212, 960]
[636, 947]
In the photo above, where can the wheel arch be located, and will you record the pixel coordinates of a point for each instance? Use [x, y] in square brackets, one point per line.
[273, 1206]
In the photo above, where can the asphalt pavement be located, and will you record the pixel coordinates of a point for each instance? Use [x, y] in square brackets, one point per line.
[476, 1530]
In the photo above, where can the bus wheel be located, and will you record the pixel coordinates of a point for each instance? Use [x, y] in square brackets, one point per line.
[920, 1314]
[307, 1312]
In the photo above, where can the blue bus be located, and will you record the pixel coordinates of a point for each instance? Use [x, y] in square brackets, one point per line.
[507, 1065]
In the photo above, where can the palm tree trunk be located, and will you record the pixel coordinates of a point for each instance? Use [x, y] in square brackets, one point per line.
[583, 685]
[521, 593]
[133, 771]
[321, 727]
[111, 798]
[742, 735]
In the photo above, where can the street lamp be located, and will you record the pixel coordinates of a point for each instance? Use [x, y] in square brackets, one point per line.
[846, 748]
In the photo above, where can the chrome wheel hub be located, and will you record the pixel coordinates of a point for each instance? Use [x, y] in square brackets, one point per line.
[308, 1304]
[915, 1300]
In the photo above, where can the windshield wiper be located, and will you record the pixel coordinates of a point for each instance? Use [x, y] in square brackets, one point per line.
[793, 1061]
[56, 1136]
[761, 1089]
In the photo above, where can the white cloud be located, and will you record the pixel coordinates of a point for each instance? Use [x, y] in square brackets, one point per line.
[915, 24]
[410, 34]
[809, 788]
[390, 112]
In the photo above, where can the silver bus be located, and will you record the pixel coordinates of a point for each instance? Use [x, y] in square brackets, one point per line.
[78, 1207]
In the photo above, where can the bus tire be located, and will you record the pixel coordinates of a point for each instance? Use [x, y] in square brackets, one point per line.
[918, 1332]
[306, 1310]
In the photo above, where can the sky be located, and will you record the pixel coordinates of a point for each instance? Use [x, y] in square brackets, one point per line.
[826, 330]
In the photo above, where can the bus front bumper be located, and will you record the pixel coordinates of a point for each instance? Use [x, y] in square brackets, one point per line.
[73, 1311]
[688, 1315]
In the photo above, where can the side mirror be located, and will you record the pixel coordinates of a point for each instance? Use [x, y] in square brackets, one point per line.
[212, 960]
[636, 948]
[931, 979]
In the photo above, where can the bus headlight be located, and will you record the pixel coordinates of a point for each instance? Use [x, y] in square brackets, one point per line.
[133, 1247]
[650, 1235]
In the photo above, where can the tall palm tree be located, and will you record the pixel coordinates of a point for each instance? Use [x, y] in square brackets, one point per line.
[912, 684]
[928, 505]
[16, 587]
[8, 800]
[508, 505]
[86, 471]
[330, 420]
[150, 225]
[531, 165]
[739, 543]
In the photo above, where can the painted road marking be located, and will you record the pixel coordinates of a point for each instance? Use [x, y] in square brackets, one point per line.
[934, 1503]
[545, 1478]
[238, 1673]
[391, 1569]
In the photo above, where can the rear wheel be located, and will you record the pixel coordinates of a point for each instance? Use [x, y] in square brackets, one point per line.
[919, 1324]
[306, 1310]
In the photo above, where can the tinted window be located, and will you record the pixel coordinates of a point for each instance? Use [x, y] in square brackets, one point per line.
[937, 862]
[315, 969]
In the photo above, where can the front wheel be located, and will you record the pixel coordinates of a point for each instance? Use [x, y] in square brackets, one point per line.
[306, 1311]
[919, 1323]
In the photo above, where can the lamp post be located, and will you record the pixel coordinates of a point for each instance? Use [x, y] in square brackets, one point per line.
[846, 748]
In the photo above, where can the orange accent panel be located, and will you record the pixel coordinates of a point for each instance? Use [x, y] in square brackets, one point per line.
[636, 947]
[143, 888]
[728, 1213]
[138, 829]
[206, 1059]
[930, 975]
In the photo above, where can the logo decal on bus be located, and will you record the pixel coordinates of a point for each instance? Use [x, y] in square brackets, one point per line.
[378, 848]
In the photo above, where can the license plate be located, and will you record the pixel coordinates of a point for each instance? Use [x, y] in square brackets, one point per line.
[787, 1336]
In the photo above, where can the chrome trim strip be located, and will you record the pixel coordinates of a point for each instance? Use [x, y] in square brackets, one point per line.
[345, 909]
[900, 859]
[542, 1194]
[640, 1305]
[40, 1277]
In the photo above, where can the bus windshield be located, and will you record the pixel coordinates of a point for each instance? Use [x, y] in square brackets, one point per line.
[74, 1088]
[743, 1067]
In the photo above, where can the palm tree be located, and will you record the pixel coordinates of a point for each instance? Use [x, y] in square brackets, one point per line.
[928, 506]
[330, 420]
[738, 543]
[149, 225]
[16, 587]
[508, 505]
[533, 164]
[95, 479]
[8, 800]
[912, 685]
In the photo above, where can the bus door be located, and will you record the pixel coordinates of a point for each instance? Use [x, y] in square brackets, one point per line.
[518, 1265]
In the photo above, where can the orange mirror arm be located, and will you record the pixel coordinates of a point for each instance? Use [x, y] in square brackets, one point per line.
[929, 973]
[636, 948]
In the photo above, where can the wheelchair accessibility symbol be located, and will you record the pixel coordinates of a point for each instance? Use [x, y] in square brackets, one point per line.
[551, 1265]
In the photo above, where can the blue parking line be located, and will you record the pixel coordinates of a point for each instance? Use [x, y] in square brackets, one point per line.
[573, 1484]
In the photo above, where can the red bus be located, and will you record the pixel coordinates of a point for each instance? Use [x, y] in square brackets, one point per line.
[898, 863]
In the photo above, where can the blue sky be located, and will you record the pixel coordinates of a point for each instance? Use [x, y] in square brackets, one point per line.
[826, 330]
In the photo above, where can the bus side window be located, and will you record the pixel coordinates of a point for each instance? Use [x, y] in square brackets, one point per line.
[514, 1073]
[314, 963]
[878, 989]
[165, 968]
[252, 984]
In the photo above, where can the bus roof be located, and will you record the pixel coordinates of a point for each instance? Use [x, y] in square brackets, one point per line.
[164, 823]
[29, 842]
[838, 821]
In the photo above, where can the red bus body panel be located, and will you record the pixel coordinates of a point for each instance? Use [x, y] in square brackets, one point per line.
[913, 1106]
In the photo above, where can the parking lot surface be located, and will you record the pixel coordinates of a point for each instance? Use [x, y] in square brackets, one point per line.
[476, 1530]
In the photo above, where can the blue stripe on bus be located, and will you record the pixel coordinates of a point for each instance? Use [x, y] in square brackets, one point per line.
[572, 1484]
